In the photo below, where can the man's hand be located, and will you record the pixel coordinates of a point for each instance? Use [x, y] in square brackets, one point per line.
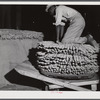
[58, 42]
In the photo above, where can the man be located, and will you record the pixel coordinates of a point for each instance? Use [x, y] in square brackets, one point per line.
[73, 33]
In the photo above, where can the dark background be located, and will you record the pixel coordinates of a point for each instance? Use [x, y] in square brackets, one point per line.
[22, 17]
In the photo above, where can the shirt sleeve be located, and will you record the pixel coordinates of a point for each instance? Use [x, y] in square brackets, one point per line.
[58, 17]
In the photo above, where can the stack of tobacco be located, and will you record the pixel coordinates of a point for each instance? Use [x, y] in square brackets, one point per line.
[71, 61]
[12, 34]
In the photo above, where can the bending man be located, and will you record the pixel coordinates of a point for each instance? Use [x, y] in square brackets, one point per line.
[73, 33]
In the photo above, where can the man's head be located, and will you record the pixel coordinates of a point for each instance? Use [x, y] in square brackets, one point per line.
[51, 9]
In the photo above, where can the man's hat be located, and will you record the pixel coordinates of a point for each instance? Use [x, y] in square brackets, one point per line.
[47, 7]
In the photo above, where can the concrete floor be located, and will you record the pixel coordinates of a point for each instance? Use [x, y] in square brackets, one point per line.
[19, 87]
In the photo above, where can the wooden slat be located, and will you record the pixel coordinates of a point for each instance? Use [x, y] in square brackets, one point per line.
[26, 70]
[94, 82]
[94, 87]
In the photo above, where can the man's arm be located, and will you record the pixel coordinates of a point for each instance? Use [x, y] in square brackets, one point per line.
[58, 33]
[58, 16]
[62, 31]
[59, 24]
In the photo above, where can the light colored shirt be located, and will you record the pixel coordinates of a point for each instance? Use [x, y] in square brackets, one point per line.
[62, 14]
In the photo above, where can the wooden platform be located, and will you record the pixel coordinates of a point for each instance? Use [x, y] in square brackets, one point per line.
[54, 83]
[92, 82]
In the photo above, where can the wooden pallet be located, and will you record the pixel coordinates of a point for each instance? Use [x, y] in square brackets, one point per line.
[54, 83]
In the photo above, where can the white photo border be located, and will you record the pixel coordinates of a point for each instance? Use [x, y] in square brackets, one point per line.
[49, 94]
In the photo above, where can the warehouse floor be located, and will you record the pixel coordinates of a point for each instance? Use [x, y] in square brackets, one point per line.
[19, 87]
[20, 83]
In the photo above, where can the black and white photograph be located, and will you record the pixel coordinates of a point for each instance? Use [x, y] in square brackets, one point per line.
[49, 47]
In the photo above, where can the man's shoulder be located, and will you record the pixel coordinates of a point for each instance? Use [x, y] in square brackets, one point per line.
[61, 7]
